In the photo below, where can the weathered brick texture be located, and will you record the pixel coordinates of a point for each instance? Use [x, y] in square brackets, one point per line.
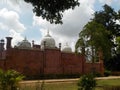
[49, 61]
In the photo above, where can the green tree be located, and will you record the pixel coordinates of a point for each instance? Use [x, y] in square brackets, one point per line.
[114, 62]
[9, 79]
[108, 17]
[118, 44]
[102, 33]
[94, 36]
[52, 10]
[80, 45]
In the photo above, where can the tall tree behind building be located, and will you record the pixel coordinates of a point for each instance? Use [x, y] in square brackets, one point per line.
[103, 32]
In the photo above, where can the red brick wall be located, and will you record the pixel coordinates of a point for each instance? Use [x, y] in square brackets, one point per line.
[50, 61]
[89, 67]
[2, 64]
[28, 62]
[72, 63]
[2, 61]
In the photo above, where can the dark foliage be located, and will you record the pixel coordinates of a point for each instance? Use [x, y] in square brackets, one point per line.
[52, 10]
[113, 64]
[107, 73]
[107, 17]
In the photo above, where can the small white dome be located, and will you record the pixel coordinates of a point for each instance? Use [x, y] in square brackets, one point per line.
[48, 41]
[67, 49]
[25, 44]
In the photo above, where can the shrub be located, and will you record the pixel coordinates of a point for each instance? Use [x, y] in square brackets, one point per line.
[107, 73]
[96, 74]
[87, 82]
[9, 79]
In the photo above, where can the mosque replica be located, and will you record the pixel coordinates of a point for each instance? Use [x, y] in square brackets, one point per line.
[44, 59]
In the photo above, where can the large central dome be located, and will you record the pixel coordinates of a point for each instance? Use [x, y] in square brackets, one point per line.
[48, 42]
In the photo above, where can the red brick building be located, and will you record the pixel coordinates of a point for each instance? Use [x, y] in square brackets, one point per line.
[44, 59]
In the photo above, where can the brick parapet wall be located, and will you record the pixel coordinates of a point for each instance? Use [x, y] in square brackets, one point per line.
[50, 61]
[29, 62]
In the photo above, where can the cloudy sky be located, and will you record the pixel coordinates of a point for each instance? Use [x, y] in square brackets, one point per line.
[18, 21]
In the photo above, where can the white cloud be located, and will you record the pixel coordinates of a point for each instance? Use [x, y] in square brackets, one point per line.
[73, 22]
[106, 1]
[16, 37]
[17, 5]
[10, 20]
[2, 26]
[11, 4]
[14, 4]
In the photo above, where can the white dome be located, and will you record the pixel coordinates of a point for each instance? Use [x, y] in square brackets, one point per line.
[67, 49]
[25, 44]
[48, 41]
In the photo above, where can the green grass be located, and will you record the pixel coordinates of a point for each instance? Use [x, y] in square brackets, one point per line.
[111, 82]
[69, 86]
[52, 86]
[61, 86]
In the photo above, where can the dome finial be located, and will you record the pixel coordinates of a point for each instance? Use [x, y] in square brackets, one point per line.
[48, 35]
[25, 38]
[48, 31]
[66, 43]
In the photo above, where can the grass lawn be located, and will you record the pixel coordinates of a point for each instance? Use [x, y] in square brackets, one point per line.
[69, 86]
[111, 82]
[61, 86]
[51, 86]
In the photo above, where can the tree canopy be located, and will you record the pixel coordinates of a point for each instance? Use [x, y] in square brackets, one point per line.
[52, 10]
[94, 36]
[103, 33]
[118, 44]
[108, 17]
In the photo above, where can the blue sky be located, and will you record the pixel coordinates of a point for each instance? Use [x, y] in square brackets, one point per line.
[18, 20]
